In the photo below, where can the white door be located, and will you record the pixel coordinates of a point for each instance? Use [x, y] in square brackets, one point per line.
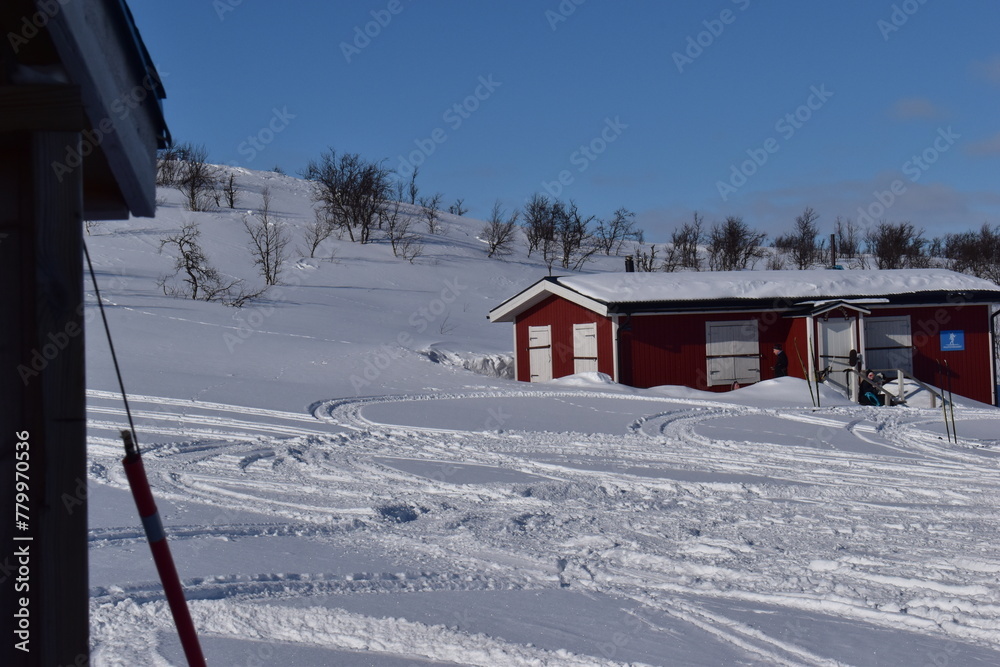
[888, 344]
[540, 353]
[836, 340]
[585, 347]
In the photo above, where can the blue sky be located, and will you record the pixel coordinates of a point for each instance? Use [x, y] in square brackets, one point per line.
[860, 109]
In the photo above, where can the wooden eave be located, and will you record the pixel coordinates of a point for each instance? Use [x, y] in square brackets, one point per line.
[92, 50]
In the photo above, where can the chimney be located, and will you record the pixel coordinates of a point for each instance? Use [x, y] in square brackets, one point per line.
[629, 264]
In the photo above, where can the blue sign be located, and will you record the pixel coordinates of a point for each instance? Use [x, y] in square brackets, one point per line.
[952, 341]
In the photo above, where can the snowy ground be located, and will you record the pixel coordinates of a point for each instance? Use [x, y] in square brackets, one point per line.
[335, 497]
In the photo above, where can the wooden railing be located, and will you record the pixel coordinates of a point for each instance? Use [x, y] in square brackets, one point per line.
[900, 399]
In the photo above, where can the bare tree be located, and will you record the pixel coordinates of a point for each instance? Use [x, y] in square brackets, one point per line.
[458, 208]
[776, 261]
[611, 234]
[848, 238]
[318, 231]
[573, 236]
[734, 246]
[196, 178]
[559, 231]
[501, 231]
[191, 260]
[645, 261]
[397, 229]
[410, 247]
[539, 227]
[432, 212]
[230, 190]
[896, 245]
[976, 253]
[684, 246]
[801, 244]
[936, 247]
[268, 240]
[413, 185]
[168, 164]
[352, 191]
[199, 279]
[396, 226]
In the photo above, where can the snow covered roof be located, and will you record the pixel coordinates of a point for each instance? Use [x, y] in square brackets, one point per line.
[811, 284]
[606, 292]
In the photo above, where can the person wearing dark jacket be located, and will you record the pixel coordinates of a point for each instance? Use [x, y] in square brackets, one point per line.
[780, 362]
[870, 390]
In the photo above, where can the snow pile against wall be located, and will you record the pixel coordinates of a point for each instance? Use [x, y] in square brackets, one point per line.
[490, 365]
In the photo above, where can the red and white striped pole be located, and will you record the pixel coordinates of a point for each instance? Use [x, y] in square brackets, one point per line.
[157, 539]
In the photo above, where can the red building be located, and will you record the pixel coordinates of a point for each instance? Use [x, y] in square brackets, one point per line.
[709, 330]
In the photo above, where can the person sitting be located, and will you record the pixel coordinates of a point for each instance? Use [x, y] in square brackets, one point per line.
[870, 390]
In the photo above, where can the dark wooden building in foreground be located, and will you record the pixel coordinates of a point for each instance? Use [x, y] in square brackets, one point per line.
[80, 122]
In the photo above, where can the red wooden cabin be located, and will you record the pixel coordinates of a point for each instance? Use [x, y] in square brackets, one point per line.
[707, 330]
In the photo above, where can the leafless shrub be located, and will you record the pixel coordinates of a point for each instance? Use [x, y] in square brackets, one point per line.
[230, 190]
[413, 189]
[684, 246]
[318, 231]
[734, 246]
[192, 174]
[458, 208]
[776, 261]
[573, 235]
[168, 164]
[896, 245]
[500, 231]
[268, 240]
[645, 260]
[199, 280]
[447, 327]
[611, 234]
[352, 191]
[397, 225]
[848, 238]
[800, 244]
[538, 225]
[432, 212]
[976, 253]
[559, 231]
[410, 248]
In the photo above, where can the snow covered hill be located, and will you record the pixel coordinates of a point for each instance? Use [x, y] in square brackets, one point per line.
[349, 478]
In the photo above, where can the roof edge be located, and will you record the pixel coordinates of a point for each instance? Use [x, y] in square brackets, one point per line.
[538, 292]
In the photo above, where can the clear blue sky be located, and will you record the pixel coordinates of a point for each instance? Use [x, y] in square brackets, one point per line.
[668, 124]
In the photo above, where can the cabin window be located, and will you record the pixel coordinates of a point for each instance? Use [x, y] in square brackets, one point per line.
[888, 344]
[585, 347]
[733, 352]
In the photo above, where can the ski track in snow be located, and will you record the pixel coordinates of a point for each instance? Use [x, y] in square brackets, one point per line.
[863, 520]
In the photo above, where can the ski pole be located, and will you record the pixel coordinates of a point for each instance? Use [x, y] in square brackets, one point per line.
[157, 539]
[944, 406]
[951, 401]
[805, 373]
